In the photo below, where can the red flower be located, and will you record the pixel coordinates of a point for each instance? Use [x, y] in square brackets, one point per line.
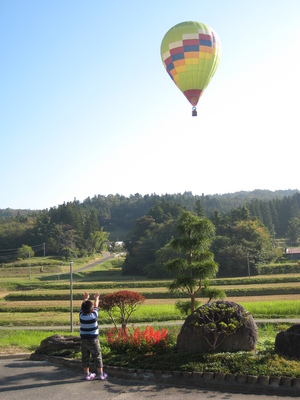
[147, 341]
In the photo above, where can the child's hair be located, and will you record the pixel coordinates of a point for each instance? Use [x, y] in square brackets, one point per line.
[87, 307]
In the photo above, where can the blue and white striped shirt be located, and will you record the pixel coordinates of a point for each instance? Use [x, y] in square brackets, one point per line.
[89, 324]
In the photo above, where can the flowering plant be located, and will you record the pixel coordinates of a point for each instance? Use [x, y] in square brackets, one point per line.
[147, 341]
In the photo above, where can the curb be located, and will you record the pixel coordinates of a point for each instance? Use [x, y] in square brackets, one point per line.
[7, 356]
[272, 385]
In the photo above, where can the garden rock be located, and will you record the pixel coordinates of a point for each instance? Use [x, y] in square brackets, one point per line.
[58, 343]
[288, 342]
[193, 336]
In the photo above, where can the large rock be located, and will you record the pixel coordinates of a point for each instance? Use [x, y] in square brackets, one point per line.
[194, 337]
[59, 343]
[288, 342]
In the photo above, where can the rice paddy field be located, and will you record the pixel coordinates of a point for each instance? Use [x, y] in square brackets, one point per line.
[45, 299]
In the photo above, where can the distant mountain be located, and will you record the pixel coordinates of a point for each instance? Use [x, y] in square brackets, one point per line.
[261, 194]
[235, 198]
[10, 212]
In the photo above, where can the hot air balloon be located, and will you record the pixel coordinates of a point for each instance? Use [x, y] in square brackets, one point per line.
[191, 52]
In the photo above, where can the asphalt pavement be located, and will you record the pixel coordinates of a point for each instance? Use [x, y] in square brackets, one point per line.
[26, 379]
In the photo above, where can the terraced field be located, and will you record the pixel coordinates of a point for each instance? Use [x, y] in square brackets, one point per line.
[45, 300]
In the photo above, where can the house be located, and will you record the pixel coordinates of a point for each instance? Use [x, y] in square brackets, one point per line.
[293, 253]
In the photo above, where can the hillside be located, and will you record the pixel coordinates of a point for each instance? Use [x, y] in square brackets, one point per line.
[72, 223]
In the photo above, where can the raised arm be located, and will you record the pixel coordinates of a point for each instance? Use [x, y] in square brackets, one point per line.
[86, 296]
[96, 299]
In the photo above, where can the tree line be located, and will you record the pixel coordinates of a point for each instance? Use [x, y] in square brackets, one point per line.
[241, 241]
[76, 229]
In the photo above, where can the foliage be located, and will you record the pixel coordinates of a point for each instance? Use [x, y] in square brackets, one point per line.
[211, 293]
[135, 339]
[97, 241]
[215, 321]
[262, 362]
[193, 263]
[68, 230]
[24, 251]
[241, 243]
[273, 269]
[121, 305]
[185, 306]
[293, 231]
[148, 235]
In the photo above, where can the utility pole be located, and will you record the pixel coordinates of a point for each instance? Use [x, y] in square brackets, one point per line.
[248, 264]
[29, 264]
[71, 294]
[44, 245]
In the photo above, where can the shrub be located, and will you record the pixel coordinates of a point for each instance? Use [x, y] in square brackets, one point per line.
[215, 321]
[121, 305]
[184, 307]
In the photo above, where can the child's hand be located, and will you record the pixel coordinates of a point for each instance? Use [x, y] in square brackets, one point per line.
[96, 299]
[86, 296]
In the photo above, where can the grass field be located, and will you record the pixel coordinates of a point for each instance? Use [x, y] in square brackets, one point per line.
[53, 314]
[44, 300]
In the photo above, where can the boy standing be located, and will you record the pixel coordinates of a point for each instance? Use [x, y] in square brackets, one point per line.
[89, 333]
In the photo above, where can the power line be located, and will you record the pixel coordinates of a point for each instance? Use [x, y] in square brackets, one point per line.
[42, 245]
[8, 249]
[36, 247]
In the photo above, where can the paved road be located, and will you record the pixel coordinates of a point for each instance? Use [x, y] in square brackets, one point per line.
[25, 379]
[106, 256]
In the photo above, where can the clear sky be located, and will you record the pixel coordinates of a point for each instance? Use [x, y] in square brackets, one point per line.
[86, 107]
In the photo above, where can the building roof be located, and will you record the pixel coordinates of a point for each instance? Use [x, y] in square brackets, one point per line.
[293, 250]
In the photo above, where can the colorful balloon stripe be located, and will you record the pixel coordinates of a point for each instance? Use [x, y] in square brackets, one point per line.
[191, 53]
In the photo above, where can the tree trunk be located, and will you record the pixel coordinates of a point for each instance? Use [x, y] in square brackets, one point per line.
[192, 303]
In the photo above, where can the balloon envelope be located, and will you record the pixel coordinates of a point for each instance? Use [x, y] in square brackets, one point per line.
[191, 52]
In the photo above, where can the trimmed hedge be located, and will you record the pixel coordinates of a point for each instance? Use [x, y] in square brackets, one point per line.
[272, 269]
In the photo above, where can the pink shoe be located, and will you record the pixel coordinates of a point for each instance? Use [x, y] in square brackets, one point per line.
[102, 377]
[89, 377]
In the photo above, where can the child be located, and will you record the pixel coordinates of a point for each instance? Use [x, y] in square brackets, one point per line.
[89, 337]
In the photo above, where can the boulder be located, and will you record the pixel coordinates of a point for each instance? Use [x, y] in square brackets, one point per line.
[59, 343]
[194, 336]
[288, 342]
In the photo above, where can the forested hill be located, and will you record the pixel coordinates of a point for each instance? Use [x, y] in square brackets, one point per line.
[224, 202]
[117, 214]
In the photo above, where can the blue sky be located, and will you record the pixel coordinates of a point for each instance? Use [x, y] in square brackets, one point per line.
[86, 107]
